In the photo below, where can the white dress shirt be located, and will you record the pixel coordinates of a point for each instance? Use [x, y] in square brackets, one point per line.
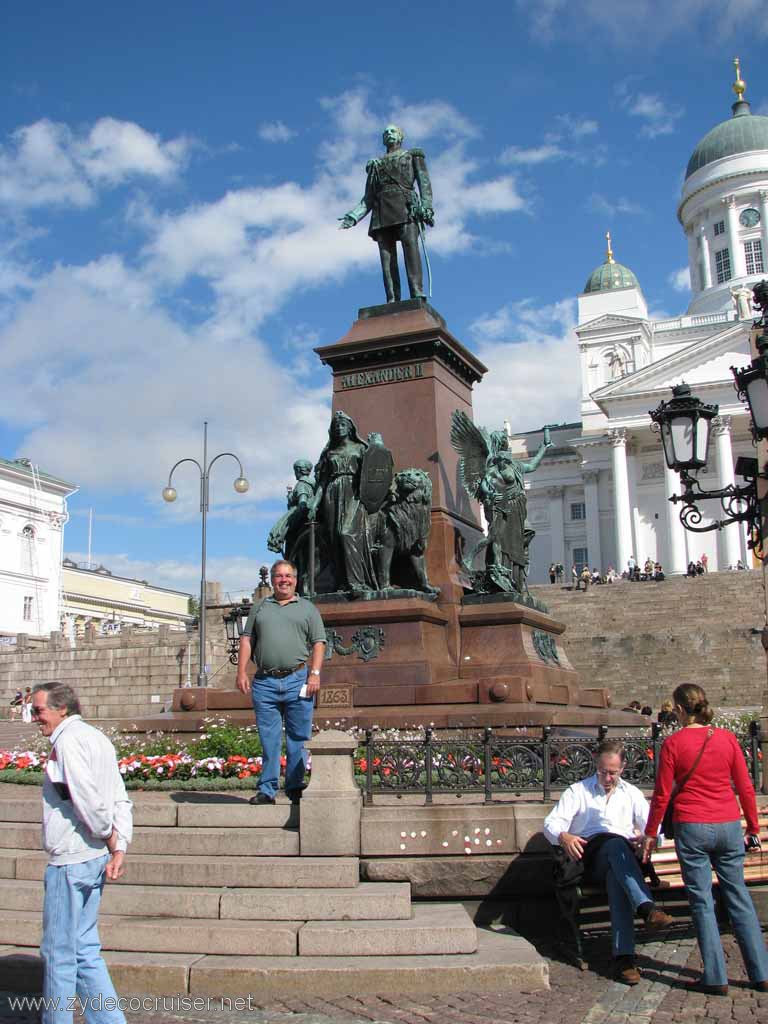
[585, 810]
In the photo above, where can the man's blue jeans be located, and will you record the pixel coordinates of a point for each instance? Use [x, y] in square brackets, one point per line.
[616, 866]
[700, 848]
[275, 700]
[70, 947]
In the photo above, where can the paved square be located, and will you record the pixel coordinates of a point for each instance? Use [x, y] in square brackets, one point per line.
[575, 997]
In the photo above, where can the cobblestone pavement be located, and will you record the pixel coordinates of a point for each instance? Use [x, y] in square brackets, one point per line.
[575, 998]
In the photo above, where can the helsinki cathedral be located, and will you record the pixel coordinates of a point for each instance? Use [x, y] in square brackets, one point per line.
[600, 495]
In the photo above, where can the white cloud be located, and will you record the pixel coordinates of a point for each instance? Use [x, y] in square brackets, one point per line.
[681, 279]
[658, 118]
[644, 23]
[108, 370]
[534, 155]
[611, 207]
[566, 140]
[238, 575]
[421, 121]
[577, 127]
[532, 356]
[275, 131]
[46, 163]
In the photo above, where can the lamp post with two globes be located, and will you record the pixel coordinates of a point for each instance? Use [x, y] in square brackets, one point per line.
[241, 485]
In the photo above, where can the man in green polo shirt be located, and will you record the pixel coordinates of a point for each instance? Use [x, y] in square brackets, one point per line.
[285, 638]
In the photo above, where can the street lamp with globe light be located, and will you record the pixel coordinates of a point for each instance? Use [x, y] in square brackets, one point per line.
[241, 485]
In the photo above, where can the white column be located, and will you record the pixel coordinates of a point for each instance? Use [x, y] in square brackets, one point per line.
[677, 557]
[705, 263]
[557, 526]
[730, 542]
[738, 262]
[621, 498]
[693, 263]
[593, 519]
[764, 223]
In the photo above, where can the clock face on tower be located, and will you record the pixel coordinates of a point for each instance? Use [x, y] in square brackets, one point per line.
[749, 218]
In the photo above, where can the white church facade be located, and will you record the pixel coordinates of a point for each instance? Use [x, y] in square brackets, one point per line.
[33, 511]
[601, 494]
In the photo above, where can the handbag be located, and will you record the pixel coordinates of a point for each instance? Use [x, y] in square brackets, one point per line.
[667, 824]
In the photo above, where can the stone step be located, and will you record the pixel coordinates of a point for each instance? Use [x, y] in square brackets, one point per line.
[368, 901]
[20, 804]
[504, 961]
[126, 900]
[215, 872]
[197, 842]
[237, 813]
[434, 928]
[171, 934]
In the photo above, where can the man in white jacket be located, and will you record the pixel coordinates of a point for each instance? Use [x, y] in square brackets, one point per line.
[87, 826]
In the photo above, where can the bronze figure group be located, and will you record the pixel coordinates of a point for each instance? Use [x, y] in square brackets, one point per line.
[357, 528]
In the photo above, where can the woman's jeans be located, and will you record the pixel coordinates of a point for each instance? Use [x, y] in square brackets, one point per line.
[70, 948]
[275, 700]
[700, 848]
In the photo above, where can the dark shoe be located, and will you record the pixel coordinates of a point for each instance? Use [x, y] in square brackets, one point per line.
[657, 920]
[261, 799]
[624, 970]
[760, 986]
[697, 985]
[294, 795]
[572, 957]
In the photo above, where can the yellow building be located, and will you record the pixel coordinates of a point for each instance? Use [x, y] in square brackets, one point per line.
[96, 595]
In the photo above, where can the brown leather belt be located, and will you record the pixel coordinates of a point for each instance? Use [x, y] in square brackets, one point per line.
[280, 673]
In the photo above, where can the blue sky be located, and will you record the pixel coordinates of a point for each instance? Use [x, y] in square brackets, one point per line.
[170, 179]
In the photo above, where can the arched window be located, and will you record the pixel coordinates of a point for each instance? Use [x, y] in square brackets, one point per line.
[28, 533]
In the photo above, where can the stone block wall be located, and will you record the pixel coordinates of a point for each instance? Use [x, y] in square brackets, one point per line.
[133, 674]
[640, 640]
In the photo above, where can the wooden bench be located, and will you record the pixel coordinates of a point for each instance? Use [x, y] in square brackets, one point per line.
[594, 914]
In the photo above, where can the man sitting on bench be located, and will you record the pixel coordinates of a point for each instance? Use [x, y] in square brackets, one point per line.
[595, 829]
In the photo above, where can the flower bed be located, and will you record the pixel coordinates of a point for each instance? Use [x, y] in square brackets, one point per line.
[223, 755]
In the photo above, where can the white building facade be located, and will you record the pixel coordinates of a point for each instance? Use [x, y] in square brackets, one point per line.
[600, 497]
[33, 511]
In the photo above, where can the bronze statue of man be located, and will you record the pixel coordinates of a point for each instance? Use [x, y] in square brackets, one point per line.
[398, 212]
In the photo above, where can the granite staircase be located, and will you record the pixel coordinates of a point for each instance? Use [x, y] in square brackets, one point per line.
[217, 898]
[640, 640]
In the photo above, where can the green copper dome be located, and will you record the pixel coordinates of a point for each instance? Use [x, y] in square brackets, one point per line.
[742, 133]
[610, 274]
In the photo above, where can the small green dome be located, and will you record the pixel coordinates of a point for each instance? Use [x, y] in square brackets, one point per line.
[742, 133]
[610, 274]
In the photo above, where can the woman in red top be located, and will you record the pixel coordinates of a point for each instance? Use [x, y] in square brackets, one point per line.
[708, 834]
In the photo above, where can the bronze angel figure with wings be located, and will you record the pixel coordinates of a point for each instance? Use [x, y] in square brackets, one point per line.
[494, 477]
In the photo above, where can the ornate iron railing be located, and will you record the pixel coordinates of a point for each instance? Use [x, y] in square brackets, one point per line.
[497, 761]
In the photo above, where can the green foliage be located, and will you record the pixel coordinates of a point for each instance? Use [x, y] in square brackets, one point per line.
[223, 739]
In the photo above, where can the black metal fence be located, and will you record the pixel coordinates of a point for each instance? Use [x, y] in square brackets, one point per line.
[492, 761]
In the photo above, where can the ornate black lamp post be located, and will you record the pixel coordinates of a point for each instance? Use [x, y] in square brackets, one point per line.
[684, 424]
[752, 381]
[241, 485]
[234, 623]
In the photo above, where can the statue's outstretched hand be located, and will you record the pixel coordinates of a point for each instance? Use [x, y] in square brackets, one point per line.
[347, 221]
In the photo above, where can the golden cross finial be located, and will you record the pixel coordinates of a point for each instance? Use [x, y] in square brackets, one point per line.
[739, 86]
[609, 251]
